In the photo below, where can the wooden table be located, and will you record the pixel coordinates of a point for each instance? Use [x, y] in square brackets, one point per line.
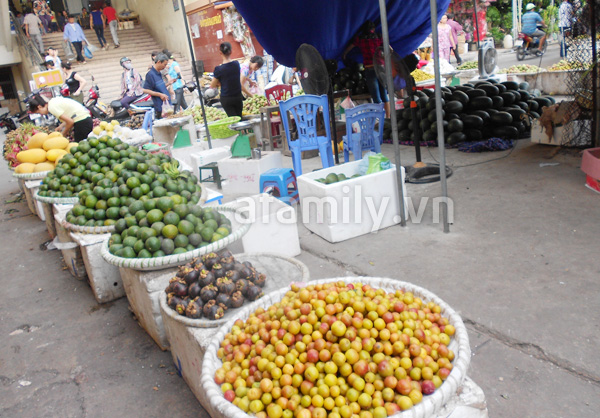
[265, 122]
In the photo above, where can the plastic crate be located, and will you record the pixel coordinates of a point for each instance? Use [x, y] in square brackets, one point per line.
[220, 128]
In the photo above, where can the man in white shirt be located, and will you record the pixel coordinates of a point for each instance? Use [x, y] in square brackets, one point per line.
[565, 20]
[52, 55]
[32, 30]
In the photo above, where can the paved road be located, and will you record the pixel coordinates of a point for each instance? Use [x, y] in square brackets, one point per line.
[508, 58]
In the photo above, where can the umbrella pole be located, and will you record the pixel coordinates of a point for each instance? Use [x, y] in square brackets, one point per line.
[191, 45]
[438, 114]
[392, 99]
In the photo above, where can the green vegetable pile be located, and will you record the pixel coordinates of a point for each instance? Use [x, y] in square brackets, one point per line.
[522, 68]
[253, 104]
[471, 65]
[212, 114]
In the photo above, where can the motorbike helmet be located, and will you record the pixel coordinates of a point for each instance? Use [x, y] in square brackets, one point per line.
[122, 60]
[530, 6]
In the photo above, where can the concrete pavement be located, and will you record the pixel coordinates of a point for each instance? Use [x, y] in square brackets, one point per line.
[519, 265]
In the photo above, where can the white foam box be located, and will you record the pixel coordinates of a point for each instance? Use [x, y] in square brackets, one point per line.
[198, 159]
[165, 130]
[104, 278]
[539, 135]
[35, 206]
[49, 211]
[143, 289]
[70, 250]
[243, 174]
[350, 208]
[273, 227]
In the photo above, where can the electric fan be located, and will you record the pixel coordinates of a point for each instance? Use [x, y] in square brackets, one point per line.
[315, 77]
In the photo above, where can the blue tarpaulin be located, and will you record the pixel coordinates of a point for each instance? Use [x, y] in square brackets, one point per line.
[281, 26]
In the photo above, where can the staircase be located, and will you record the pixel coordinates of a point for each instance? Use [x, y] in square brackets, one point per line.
[136, 44]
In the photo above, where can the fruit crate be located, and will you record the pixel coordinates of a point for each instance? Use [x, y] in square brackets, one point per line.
[70, 250]
[339, 211]
[431, 406]
[189, 338]
[104, 278]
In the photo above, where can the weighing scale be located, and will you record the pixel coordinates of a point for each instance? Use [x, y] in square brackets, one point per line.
[245, 141]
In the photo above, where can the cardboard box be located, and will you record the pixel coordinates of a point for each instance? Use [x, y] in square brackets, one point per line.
[350, 208]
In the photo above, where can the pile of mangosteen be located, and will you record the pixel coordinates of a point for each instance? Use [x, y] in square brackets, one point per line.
[209, 286]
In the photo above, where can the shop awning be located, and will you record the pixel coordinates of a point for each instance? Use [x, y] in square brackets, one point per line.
[281, 26]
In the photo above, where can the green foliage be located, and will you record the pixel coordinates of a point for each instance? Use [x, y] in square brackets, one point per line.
[498, 35]
[550, 16]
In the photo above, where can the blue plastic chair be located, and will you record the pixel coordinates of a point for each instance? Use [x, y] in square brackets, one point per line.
[305, 109]
[367, 138]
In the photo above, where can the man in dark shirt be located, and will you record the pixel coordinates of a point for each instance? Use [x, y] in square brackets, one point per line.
[155, 85]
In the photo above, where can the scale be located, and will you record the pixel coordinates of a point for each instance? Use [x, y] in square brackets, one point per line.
[245, 141]
[182, 138]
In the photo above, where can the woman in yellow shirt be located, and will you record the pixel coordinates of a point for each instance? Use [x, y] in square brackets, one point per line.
[72, 115]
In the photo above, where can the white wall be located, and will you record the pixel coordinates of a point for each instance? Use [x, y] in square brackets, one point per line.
[161, 21]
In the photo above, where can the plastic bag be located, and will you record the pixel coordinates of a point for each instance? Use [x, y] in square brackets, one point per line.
[373, 163]
[91, 47]
[167, 109]
[377, 163]
[88, 54]
[347, 103]
[68, 48]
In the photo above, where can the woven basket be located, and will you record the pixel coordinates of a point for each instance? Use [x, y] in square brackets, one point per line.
[31, 176]
[111, 228]
[220, 129]
[302, 275]
[56, 200]
[160, 263]
[428, 407]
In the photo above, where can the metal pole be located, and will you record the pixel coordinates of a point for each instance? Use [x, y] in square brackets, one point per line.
[595, 63]
[332, 121]
[515, 30]
[191, 45]
[392, 100]
[476, 22]
[438, 112]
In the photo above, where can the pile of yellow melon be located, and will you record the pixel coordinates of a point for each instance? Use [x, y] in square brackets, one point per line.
[43, 152]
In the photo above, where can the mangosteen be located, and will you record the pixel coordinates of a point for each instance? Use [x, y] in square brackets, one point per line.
[246, 273]
[218, 270]
[242, 286]
[226, 263]
[206, 278]
[210, 260]
[225, 285]
[225, 253]
[237, 266]
[222, 305]
[247, 264]
[233, 275]
[173, 300]
[209, 292]
[237, 299]
[180, 288]
[260, 280]
[253, 292]
[196, 263]
[213, 311]
[224, 298]
[182, 271]
[194, 308]
[182, 306]
[191, 276]
[194, 290]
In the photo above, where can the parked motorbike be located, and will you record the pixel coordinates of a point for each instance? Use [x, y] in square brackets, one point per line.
[528, 46]
[9, 122]
[208, 95]
[140, 105]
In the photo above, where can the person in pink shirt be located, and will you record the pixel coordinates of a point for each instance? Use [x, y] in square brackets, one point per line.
[455, 28]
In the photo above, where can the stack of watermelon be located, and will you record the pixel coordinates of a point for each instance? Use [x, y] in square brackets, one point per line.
[473, 112]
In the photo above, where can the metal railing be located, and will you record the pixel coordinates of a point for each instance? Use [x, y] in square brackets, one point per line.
[26, 44]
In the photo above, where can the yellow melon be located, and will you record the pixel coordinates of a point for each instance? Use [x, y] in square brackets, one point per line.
[24, 168]
[55, 154]
[37, 140]
[34, 156]
[43, 167]
[55, 143]
[54, 134]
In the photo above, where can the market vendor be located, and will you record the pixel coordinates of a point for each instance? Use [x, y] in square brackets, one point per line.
[367, 40]
[246, 70]
[227, 76]
[73, 115]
